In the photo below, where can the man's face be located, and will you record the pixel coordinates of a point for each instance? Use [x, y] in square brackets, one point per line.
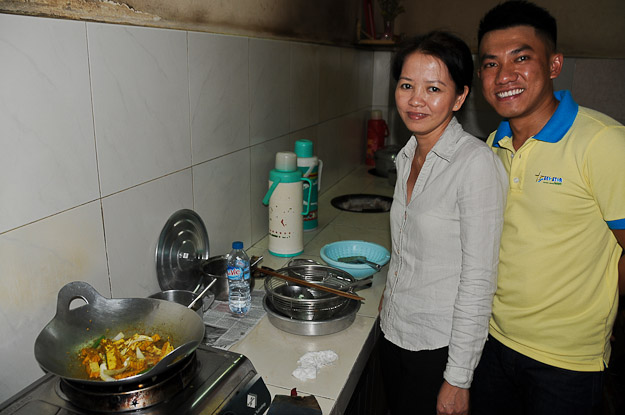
[516, 70]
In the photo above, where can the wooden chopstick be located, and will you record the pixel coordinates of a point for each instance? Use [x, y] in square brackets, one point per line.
[310, 284]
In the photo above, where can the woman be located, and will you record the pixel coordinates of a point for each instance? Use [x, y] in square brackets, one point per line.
[446, 223]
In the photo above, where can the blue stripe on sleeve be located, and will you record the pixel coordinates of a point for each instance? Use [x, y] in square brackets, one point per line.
[616, 224]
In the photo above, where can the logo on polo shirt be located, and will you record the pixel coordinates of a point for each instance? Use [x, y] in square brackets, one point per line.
[540, 178]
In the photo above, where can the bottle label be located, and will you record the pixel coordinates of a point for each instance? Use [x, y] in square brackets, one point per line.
[234, 273]
[239, 271]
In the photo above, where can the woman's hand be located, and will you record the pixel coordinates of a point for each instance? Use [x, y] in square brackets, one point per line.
[452, 400]
[381, 300]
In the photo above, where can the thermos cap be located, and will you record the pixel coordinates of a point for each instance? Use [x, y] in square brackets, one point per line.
[286, 161]
[304, 148]
[376, 115]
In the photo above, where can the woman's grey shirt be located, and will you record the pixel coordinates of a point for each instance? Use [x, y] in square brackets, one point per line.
[445, 241]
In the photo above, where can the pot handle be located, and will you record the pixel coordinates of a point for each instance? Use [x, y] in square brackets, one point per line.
[72, 291]
[254, 261]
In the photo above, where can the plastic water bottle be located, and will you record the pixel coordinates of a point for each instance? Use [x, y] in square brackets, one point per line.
[239, 298]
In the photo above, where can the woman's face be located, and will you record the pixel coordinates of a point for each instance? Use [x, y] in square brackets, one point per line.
[426, 95]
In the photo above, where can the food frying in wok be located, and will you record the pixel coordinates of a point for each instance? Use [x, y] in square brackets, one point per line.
[120, 357]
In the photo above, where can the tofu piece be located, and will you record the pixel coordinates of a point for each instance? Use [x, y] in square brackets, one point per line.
[93, 370]
[111, 359]
[138, 364]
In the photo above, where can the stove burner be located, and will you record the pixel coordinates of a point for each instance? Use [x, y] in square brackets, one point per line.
[110, 398]
[210, 381]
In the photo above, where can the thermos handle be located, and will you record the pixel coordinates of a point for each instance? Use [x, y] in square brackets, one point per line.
[307, 204]
[270, 192]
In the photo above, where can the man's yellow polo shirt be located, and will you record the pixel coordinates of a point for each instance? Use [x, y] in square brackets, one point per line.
[557, 293]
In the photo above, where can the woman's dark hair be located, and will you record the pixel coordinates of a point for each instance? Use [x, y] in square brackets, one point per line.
[450, 49]
[520, 13]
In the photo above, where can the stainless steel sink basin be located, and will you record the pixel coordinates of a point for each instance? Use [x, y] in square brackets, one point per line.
[363, 203]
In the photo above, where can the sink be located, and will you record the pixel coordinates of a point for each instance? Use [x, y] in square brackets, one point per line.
[363, 203]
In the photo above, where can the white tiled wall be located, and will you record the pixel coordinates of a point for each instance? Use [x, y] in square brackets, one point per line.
[219, 94]
[140, 93]
[48, 159]
[106, 130]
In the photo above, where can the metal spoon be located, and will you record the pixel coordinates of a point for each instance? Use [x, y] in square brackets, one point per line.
[201, 294]
[360, 259]
[184, 349]
[178, 353]
[357, 283]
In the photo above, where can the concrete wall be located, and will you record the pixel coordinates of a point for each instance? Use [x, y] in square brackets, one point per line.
[586, 28]
[321, 21]
[593, 29]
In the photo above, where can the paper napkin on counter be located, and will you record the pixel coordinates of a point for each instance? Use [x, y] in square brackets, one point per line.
[311, 362]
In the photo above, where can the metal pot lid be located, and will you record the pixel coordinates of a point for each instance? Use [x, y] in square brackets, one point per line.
[182, 247]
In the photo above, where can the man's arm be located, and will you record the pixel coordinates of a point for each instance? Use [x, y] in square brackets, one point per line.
[620, 237]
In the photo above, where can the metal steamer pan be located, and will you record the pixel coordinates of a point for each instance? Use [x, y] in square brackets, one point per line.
[323, 314]
[305, 303]
[58, 345]
[340, 321]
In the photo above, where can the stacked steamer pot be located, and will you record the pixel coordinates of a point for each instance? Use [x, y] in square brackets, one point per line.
[308, 311]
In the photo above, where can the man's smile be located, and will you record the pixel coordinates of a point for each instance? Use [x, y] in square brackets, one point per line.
[510, 93]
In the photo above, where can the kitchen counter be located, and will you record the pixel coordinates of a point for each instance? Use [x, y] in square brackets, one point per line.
[275, 353]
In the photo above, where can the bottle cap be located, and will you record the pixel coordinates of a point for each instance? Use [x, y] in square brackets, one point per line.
[237, 245]
[304, 148]
[286, 161]
[376, 115]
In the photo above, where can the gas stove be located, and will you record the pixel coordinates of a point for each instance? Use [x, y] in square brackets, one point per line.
[209, 381]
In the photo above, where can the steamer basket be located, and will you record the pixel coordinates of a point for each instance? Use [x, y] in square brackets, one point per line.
[303, 303]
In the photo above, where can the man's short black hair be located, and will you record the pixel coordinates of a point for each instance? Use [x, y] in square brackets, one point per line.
[520, 13]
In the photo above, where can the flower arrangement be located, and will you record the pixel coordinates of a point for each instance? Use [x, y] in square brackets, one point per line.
[390, 9]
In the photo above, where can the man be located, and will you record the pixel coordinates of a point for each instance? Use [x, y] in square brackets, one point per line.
[564, 227]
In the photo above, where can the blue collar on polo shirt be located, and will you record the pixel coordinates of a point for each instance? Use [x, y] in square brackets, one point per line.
[557, 126]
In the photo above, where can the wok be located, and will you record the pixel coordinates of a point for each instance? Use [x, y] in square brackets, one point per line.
[58, 345]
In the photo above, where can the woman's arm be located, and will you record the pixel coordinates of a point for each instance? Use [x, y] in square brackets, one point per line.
[481, 199]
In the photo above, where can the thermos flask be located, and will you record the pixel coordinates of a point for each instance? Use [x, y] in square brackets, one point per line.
[311, 167]
[285, 200]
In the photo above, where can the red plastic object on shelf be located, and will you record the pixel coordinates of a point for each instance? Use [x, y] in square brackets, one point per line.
[377, 131]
